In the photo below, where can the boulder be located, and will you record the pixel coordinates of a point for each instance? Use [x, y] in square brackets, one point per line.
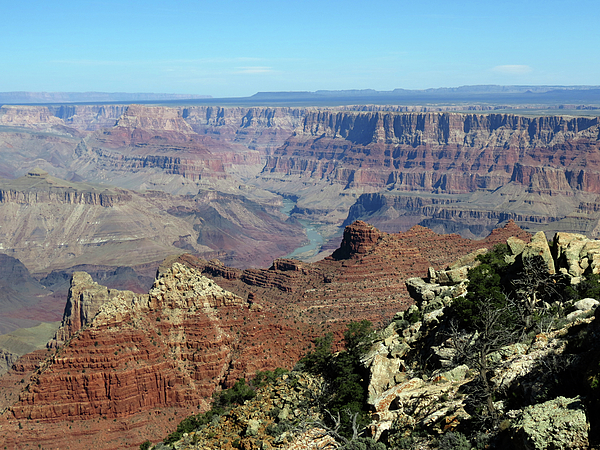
[556, 424]
[568, 249]
[516, 245]
[586, 304]
[539, 246]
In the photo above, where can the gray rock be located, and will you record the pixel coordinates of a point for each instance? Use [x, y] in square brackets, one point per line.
[574, 315]
[457, 374]
[586, 304]
[516, 245]
[556, 424]
[539, 246]
[252, 427]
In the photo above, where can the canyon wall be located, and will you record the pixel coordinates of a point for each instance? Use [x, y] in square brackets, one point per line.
[437, 169]
[445, 152]
[541, 171]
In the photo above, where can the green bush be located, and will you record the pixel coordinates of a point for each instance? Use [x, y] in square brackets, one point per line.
[236, 395]
[454, 441]
[364, 443]
[263, 378]
[318, 361]
[487, 283]
[278, 429]
[345, 376]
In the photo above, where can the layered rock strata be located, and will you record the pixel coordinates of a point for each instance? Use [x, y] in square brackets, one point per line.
[49, 224]
[448, 171]
[120, 353]
[363, 279]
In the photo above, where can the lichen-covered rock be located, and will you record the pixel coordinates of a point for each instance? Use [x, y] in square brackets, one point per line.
[539, 246]
[516, 245]
[432, 404]
[556, 424]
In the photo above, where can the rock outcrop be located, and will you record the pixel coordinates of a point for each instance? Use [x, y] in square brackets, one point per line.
[119, 354]
[558, 423]
[363, 279]
[535, 372]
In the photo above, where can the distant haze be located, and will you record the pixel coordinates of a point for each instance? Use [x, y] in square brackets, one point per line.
[543, 96]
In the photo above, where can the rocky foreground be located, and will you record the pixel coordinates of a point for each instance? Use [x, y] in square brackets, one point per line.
[420, 395]
[137, 360]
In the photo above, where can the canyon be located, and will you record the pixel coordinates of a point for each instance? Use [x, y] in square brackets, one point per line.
[136, 194]
[464, 172]
[136, 361]
[457, 171]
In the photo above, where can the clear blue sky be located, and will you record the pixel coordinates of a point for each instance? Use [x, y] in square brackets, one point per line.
[232, 48]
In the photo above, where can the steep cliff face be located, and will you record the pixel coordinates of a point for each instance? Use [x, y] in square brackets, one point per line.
[259, 128]
[88, 117]
[438, 169]
[37, 186]
[442, 152]
[120, 353]
[170, 346]
[38, 116]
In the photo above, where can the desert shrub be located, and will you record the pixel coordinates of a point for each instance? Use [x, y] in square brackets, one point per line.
[145, 445]
[236, 395]
[364, 443]
[589, 287]
[453, 441]
[265, 377]
[487, 283]
[278, 429]
[318, 361]
[346, 378]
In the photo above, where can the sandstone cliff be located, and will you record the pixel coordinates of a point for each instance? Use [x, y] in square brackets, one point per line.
[120, 354]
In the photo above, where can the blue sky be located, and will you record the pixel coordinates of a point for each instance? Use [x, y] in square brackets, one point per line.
[232, 48]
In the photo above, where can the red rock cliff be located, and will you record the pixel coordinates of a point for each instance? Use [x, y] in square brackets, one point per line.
[442, 152]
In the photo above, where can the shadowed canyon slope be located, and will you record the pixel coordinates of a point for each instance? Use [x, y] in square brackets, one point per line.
[135, 358]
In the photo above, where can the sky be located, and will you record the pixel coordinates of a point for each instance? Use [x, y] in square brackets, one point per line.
[230, 48]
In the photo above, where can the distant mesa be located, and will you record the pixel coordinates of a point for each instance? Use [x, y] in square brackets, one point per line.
[23, 97]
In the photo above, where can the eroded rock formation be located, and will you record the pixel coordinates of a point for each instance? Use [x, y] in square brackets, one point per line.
[448, 171]
[125, 354]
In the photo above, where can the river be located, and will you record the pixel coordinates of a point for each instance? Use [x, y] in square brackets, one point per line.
[312, 230]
